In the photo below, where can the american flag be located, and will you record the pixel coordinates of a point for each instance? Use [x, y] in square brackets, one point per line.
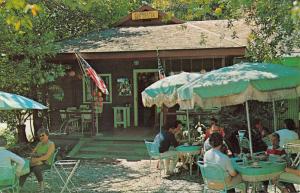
[93, 75]
[161, 71]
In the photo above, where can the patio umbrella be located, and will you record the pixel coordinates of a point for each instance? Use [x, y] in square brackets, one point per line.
[239, 83]
[10, 101]
[164, 91]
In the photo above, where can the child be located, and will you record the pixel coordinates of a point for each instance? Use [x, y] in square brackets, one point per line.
[275, 149]
[272, 150]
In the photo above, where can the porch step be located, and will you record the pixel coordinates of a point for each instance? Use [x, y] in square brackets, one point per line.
[111, 149]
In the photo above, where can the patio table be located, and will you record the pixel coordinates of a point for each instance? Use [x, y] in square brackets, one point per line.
[258, 171]
[190, 151]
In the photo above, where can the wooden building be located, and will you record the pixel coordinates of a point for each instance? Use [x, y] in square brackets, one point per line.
[125, 56]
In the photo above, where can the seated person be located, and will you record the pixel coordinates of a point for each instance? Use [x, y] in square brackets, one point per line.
[263, 131]
[224, 148]
[292, 175]
[273, 150]
[181, 140]
[42, 158]
[289, 133]
[179, 134]
[215, 155]
[7, 157]
[166, 139]
[257, 135]
[214, 128]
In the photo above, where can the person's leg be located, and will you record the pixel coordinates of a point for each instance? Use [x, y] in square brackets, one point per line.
[233, 182]
[265, 185]
[290, 187]
[167, 165]
[23, 178]
[38, 172]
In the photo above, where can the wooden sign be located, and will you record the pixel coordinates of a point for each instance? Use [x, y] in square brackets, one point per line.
[144, 15]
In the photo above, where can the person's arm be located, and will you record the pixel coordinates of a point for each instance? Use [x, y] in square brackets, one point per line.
[293, 171]
[34, 149]
[173, 140]
[45, 157]
[229, 168]
[19, 161]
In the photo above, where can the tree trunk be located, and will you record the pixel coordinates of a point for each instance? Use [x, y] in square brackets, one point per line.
[22, 134]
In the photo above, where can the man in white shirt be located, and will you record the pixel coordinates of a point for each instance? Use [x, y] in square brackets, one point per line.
[215, 156]
[289, 133]
[7, 157]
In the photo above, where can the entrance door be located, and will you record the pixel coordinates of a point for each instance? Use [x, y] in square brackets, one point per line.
[143, 116]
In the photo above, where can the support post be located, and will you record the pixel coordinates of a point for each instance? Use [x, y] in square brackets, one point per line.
[274, 116]
[188, 124]
[249, 129]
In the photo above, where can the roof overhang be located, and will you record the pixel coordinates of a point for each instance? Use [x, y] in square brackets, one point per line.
[188, 54]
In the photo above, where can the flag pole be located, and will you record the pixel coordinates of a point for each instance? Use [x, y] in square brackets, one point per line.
[79, 59]
[161, 75]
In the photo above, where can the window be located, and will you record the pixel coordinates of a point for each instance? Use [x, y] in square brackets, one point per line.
[86, 85]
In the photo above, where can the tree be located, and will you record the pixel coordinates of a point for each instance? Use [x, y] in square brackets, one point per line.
[28, 37]
[274, 23]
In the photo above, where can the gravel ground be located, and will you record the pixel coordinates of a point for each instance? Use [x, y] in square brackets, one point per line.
[123, 176]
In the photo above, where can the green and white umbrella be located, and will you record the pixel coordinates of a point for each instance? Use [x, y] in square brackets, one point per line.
[10, 101]
[164, 91]
[239, 83]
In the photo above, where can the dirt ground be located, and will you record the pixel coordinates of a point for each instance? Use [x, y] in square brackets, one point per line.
[122, 176]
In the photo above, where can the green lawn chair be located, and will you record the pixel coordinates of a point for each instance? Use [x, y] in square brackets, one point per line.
[9, 181]
[212, 172]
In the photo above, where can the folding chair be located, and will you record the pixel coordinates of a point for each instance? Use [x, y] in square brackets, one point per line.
[212, 172]
[65, 170]
[9, 181]
[293, 147]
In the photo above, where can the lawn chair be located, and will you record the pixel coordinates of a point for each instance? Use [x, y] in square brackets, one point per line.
[49, 173]
[214, 178]
[9, 181]
[153, 151]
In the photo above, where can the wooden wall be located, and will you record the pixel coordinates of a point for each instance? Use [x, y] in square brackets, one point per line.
[72, 86]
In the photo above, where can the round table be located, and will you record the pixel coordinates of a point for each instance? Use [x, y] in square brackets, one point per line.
[190, 151]
[258, 171]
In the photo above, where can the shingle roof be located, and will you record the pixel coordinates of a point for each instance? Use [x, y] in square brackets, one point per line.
[190, 35]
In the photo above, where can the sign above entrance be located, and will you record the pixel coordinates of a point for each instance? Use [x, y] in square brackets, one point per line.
[144, 15]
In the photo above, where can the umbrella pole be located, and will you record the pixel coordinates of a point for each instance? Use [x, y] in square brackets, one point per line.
[188, 124]
[249, 128]
[274, 116]
[161, 115]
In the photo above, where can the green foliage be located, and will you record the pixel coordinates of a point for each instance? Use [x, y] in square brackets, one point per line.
[274, 30]
[70, 18]
[28, 37]
[18, 13]
[274, 23]
[9, 136]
